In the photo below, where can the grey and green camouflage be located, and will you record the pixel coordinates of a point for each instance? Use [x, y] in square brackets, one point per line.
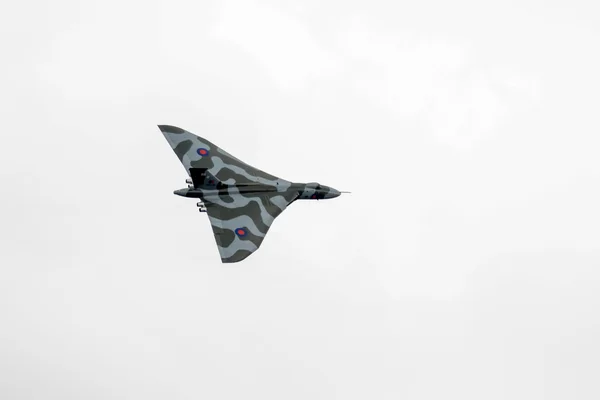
[241, 201]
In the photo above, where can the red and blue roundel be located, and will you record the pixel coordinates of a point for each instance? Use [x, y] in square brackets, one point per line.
[202, 152]
[241, 232]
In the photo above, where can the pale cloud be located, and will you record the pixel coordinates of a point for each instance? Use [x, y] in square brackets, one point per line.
[440, 80]
[281, 44]
[398, 71]
[476, 101]
[465, 110]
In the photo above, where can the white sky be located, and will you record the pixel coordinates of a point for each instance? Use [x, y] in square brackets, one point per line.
[465, 265]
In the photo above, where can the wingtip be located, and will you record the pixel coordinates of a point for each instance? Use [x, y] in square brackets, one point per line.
[170, 128]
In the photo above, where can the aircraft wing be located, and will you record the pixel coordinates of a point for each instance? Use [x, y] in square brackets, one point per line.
[196, 152]
[241, 221]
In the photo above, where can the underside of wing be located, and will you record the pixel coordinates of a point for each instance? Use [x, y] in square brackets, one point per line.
[240, 222]
[196, 152]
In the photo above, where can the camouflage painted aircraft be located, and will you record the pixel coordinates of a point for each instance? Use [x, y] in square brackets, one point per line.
[241, 201]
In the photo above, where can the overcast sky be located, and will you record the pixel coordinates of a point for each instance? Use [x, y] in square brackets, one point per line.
[464, 265]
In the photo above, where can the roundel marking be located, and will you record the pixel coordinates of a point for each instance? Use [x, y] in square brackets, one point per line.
[314, 196]
[202, 151]
[241, 232]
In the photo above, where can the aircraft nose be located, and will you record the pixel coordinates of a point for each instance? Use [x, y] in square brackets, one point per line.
[332, 193]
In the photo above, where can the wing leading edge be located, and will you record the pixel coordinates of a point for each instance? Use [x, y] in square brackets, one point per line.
[196, 152]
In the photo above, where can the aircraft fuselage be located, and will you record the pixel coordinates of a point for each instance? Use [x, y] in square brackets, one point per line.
[306, 191]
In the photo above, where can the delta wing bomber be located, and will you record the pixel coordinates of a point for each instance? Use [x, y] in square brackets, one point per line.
[241, 201]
